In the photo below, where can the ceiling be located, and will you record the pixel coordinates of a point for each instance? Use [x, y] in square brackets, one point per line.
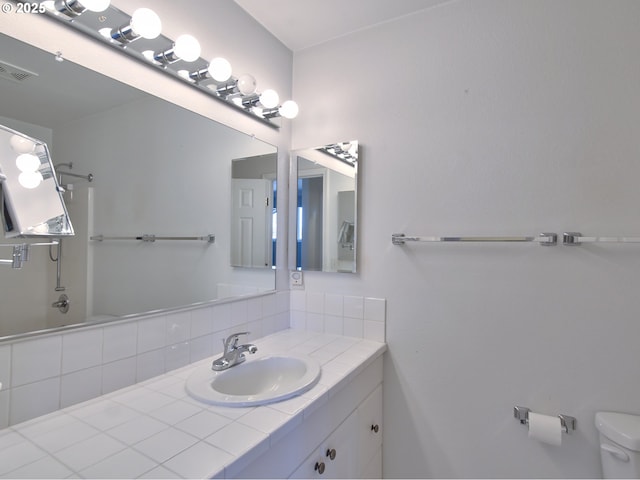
[300, 24]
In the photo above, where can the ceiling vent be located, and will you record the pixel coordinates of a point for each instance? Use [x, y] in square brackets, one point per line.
[13, 73]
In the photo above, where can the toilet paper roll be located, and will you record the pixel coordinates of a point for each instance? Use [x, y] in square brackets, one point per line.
[545, 428]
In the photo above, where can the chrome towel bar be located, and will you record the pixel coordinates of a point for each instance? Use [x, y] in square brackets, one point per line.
[576, 238]
[545, 239]
[152, 238]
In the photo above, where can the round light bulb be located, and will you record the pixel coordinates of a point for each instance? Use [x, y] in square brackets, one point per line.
[21, 144]
[146, 23]
[220, 69]
[30, 179]
[27, 162]
[289, 109]
[269, 98]
[96, 5]
[246, 84]
[187, 48]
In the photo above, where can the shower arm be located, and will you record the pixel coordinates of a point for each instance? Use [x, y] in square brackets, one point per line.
[85, 177]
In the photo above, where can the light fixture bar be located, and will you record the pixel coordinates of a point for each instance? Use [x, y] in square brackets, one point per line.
[212, 78]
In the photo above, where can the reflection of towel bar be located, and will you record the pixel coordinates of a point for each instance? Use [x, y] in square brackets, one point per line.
[543, 239]
[21, 252]
[152, 238]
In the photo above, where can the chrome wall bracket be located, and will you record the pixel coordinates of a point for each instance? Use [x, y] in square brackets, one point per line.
[571, 239]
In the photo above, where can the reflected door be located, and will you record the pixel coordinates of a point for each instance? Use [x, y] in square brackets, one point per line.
[251, 222]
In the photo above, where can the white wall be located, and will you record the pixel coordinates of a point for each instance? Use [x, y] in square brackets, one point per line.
[491, 117]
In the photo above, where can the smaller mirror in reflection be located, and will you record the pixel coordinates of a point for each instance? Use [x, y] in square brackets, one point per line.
[32, 205]
[326, 212]
[254, 211]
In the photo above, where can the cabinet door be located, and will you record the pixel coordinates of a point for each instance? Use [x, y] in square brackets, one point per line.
[341, 445]
[369, 429]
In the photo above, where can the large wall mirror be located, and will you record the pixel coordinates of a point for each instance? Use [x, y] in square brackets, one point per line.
[326, 207]
[147, 186]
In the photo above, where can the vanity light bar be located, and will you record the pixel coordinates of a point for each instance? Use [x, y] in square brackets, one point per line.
[213, 78]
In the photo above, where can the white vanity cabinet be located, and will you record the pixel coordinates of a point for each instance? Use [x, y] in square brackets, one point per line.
[354, 449]
[340, 428]
[370, 436]
[336, 457]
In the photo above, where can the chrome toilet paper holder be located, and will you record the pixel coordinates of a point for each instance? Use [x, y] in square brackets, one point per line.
[522, 413]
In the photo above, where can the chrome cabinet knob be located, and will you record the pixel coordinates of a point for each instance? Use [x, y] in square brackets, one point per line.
[375, 428]
[331, 453]
[319, 467]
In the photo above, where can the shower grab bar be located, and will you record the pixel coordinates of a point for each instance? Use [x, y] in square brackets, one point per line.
[576, 238]
[152, 238]
[545, 239]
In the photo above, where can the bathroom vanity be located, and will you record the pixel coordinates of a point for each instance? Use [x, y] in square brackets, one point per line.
[154, 429]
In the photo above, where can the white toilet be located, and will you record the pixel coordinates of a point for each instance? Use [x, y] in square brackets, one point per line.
[619, 444]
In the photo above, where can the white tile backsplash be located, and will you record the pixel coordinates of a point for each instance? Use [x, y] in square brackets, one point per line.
[43, 374]
[81, 349]
[81, 385]
[351, 316]
[152, 334]
[120, 341]
[34, 399]
[5, 367]
[354, 307]
[36, 360]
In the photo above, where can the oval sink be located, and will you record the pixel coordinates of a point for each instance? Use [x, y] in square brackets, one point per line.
[257, 381]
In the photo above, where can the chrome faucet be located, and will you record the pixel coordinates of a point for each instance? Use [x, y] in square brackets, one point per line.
[233, 354]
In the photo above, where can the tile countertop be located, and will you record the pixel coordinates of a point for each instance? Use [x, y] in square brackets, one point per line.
[154, 429]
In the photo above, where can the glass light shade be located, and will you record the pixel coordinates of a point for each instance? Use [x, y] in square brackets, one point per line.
[30, 179]
[27, 162]
[96, 5]
[187, 48]
[246, 84]
[269, 98]
[146, 23]
[220, 69]
[21, 145]
[289, 109]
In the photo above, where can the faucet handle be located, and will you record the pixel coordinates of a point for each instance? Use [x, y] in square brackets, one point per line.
[233, 338]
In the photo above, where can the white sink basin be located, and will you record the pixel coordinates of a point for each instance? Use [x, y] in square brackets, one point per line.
[257, 381]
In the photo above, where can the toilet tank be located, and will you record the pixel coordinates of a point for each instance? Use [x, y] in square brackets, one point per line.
[619, 444]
